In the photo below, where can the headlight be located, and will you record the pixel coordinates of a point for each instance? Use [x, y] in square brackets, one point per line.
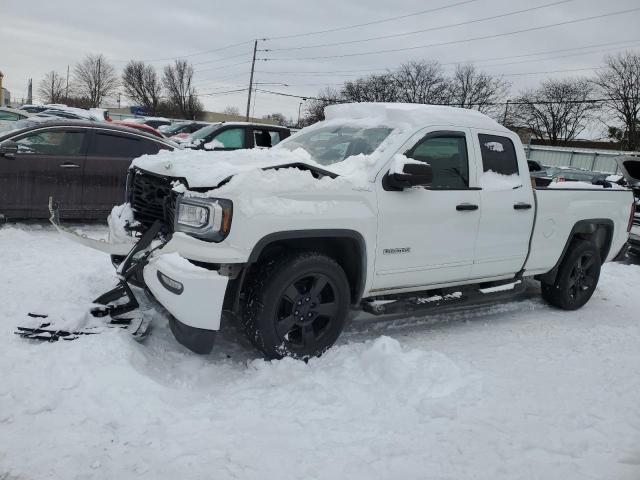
[204, 218]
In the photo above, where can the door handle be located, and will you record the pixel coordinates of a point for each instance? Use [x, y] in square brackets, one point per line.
[69, 165]
[522, 206]
[466, 207]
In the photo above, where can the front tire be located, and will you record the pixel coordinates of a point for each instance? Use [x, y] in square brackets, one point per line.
[296, 305]
[577, 277]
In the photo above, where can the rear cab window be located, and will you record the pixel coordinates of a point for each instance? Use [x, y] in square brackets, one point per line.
[498, 154]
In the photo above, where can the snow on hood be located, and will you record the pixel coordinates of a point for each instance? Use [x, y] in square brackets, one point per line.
[202, 169]
[630, 167]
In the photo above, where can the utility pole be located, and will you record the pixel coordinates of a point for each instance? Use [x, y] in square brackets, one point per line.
[66, 92]
[253, 64]
[98, 84]
[506, 109]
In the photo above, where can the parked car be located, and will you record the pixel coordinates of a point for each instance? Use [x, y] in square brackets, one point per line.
[73, 113]
[577, 175]
[154, 122]
[12, 115]
[630, 167]
[139, 126]
[235, 136]
[181, 130]
[387, 207]
[82, 164]
[33, 108]
[539, 173]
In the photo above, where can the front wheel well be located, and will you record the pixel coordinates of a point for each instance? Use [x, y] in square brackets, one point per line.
[347, 248]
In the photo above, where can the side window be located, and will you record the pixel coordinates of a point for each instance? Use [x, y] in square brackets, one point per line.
[8, 115]
[447, 155]
[109, 145]
[149, 147]
[232, 138]
[52, 142]
[498, 154]
[264, 138]
[275, 137]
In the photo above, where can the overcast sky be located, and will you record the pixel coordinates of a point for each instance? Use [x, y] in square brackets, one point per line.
[41, 35]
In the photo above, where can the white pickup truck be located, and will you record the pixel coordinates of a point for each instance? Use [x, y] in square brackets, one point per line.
[380, 205]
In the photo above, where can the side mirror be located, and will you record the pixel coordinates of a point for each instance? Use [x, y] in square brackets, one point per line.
[413, 175]
[8, 149]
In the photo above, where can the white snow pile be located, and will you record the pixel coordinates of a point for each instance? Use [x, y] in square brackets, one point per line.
[416, 115]
[399, 161]
[203, 168]
[494, 181]
[511, 391]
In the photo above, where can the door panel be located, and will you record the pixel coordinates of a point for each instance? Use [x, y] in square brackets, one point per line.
[427, 236]
[108, 159]
[507, 208]
[49, 163]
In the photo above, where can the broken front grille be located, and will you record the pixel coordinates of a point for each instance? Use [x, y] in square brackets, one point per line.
[151, 198]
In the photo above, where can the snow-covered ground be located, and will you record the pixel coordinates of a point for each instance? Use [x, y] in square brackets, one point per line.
[514, 391]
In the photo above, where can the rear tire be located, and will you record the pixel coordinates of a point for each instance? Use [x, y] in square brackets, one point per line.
[577, 277]
[296, 305]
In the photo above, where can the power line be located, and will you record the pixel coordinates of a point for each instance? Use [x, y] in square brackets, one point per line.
[222, 67]
[190, 54]
[454, 104]
[452, 42]
[414, 32]
[221, 59]
[375, 22]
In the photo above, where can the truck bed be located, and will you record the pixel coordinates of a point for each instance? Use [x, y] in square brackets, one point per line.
[561, 210]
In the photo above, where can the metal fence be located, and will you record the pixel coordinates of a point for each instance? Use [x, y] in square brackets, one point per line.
[588, 159]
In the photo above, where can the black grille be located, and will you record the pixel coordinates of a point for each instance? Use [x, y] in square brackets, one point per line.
[151, 198]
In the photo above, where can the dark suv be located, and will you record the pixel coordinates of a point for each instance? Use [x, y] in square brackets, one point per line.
[82, 164]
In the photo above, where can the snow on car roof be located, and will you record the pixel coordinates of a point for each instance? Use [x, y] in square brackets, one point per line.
[418, 115]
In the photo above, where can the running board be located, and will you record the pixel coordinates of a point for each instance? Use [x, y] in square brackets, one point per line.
[434, 299]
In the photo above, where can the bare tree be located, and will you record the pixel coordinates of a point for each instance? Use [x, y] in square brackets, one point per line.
[469, 88]
[374, 88]
[94, 79]
[314, 109]
[142, 85]
[619, 84]
[420, 82]
[231, 111]
[181, 94]
[558, 110]
[52, 88]
[277, 118]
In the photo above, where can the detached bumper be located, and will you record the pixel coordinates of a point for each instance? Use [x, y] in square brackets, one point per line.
[193, 295]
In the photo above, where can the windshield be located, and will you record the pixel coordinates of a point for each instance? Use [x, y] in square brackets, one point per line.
[332, 144]
[204, 132]
[176, 128]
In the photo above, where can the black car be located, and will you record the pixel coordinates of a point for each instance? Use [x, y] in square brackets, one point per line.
[236, 135]
[83, 165]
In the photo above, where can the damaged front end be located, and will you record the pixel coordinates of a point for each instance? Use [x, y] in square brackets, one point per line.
[191, 293]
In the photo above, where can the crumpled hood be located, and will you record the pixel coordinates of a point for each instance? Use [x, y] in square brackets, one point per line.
[630, 167]
[207, 169]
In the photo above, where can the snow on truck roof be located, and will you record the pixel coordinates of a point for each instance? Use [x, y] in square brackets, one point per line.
[417, 115]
